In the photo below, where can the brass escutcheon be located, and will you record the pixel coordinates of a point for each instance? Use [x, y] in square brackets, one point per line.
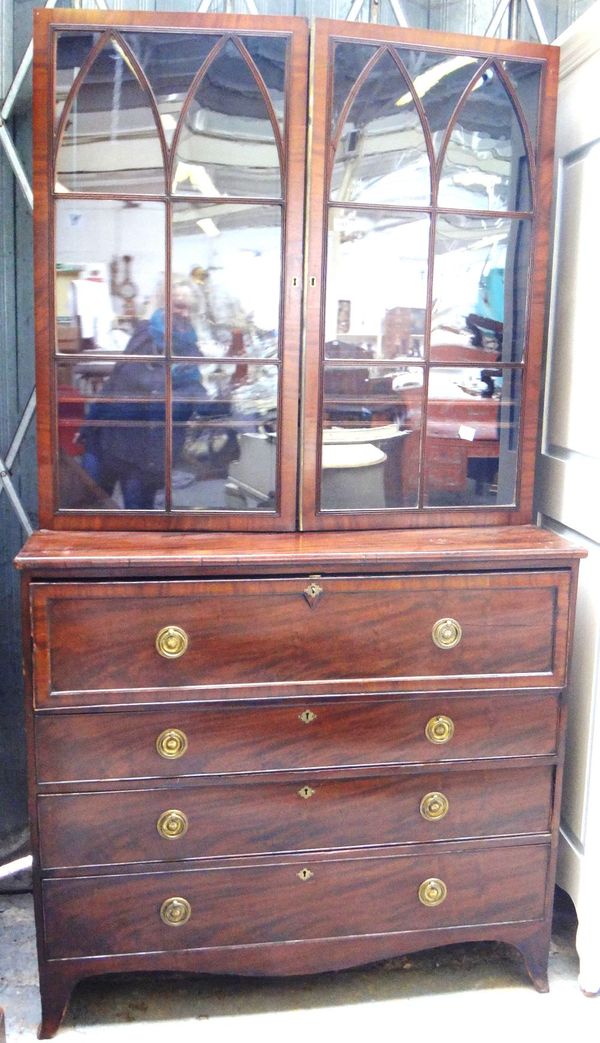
[446, 633]
[434, 806]
[171, 642]
[175, 911]
[307, 716]
[305, 874]
[172, 743]
[306, 792]
[313, 591]
[439, 729]
[432, 891]
[172, 824]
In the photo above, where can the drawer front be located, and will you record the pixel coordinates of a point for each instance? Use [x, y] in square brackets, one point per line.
[253, 637]
[273, 737]
[316, 814]
[283, 902]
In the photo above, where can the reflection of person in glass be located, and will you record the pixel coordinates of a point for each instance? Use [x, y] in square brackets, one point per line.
[125, 443]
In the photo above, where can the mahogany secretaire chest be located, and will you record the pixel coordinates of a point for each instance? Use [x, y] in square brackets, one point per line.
[295, 652]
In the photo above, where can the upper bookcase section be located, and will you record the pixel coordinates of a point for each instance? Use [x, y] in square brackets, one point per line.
[171, 182]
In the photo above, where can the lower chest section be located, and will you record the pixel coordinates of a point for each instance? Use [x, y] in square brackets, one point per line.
[229, 765]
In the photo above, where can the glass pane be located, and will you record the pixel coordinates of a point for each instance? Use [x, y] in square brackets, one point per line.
[72, 49]
[382, 156]
[480, 289]
[111, 141]
[439, 80]
[269, 54]
[349, 61]
[472, 436]
[111, 434]
[371, 435]
[526, 77]
[110, 263]
[485, 165]
[225, 437]
[170, 61]
[230, 256]
[376, 286]
[227, 144]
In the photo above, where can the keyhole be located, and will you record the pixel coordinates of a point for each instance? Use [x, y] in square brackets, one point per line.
[305, 874]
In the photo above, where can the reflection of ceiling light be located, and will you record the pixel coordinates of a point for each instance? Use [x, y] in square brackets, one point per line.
[168, 121]
[198, 178]
[208, 226]
[425, 81]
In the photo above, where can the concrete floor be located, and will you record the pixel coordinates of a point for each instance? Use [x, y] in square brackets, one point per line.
[467, 992]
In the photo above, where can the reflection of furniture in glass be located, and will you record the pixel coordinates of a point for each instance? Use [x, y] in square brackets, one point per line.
[221, 716]
[392, 483]
[362, 464]
[402, 333]
[460, 429]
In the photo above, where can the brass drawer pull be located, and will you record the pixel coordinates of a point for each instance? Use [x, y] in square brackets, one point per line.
[171, 642]
[172, 743]
[175, 911]
[434, 806]
[446, 633]
[439, 729]
[172, 824]
[432, 892]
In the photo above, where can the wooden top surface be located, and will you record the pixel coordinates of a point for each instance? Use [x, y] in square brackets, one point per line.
[406, 550]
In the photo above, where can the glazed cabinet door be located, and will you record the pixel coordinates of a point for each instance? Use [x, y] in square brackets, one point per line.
[169, 220]
[431, 170]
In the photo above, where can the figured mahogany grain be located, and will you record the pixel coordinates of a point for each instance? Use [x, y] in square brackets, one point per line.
[87, 829]
[269, 902]
[362, 634]
[233, 739]
[106, 554]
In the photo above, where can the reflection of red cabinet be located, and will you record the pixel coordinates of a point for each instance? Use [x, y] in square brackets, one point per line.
[71, 412]
[459, 431]
[402, 333]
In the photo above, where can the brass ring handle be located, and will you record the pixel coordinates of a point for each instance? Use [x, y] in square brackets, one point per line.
[175, 911]
[434, 806]
[171, 642]
[439, 729]
[172, 743]
[172, 824]
[432, 892]
[446, 633]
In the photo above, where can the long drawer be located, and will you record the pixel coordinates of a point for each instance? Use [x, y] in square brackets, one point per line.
[282, 902]
[231, 738]
[86, 829]
[246, 638]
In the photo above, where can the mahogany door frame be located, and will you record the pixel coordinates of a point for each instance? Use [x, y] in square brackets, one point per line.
[46, 23]
[326, 33]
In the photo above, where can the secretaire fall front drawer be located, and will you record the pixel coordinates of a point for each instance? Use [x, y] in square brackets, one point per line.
[244, 638]
[233, 738]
